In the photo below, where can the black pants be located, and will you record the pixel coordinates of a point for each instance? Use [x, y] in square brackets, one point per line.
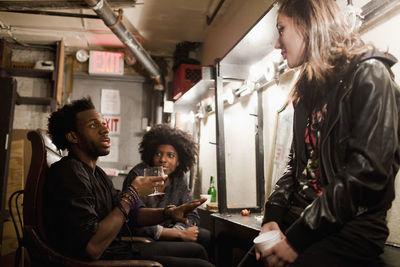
[171, 253]
[206, 239]
[317, 255]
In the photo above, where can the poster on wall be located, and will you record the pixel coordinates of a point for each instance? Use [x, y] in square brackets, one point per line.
[114, 151]
[113, 123]
[110, 101]
[283, 141]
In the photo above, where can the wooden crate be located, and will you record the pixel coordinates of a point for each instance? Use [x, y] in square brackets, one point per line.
[22, 65]
[5, 55]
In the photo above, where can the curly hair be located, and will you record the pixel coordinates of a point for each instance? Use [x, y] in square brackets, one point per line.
[63, 121]
[163, 134]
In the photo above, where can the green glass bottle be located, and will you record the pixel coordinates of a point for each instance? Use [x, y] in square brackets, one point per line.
[212, 191]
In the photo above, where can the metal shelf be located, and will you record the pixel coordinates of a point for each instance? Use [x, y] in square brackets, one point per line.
[201, 90]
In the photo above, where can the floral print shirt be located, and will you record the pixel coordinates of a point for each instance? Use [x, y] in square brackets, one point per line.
[310, 184]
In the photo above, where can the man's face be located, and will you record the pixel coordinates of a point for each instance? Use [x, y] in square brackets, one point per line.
[167, 157]
[92, 134]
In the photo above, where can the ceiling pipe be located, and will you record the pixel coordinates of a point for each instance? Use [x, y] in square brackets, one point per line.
[104, 11]
[51, 13]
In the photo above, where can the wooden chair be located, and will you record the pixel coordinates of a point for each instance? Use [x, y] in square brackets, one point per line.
[17, 222]
[44, 153]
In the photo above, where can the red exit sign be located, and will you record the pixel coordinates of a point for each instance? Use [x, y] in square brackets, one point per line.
[106, 63]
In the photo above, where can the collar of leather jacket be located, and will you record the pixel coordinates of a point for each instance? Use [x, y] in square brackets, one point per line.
[385, 57]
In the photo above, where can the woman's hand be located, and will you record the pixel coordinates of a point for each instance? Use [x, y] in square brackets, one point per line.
[266, 228]
[190, 234]
[177, 214]
[282, 254]
[145, 185]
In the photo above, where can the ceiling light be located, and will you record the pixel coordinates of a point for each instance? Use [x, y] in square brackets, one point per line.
[82, 55]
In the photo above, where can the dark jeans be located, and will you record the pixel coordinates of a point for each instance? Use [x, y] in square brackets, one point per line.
[171, 253]
[205, 238]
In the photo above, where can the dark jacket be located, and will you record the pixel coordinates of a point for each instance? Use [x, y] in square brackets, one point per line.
[359, 158]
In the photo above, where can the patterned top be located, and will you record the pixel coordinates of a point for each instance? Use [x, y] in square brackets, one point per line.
[310, 184]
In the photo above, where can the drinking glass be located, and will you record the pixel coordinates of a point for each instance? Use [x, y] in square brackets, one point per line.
[154, 172]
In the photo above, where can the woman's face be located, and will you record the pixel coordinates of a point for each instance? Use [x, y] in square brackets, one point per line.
[167, 157]
[290, 41]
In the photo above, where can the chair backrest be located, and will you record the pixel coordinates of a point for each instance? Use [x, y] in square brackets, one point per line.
[44, 153]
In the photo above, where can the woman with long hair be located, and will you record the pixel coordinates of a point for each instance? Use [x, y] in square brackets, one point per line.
[330, 205]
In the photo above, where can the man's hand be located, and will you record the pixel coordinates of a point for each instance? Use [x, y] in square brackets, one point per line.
[145, 185]
[190, 234]
[177, 214]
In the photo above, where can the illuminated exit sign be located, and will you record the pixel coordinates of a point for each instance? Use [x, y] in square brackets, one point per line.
[106, 63]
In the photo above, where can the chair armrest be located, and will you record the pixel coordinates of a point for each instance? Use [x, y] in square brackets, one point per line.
[136, 239]
[120, 263]
[41, 254]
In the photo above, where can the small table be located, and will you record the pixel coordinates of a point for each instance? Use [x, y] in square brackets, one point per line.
[251, 222]
[243, 229]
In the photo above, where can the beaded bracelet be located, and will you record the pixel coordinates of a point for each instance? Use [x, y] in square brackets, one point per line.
[130, 196]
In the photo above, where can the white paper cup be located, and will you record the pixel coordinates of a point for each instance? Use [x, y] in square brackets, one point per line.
[267, 240]
[204, 205]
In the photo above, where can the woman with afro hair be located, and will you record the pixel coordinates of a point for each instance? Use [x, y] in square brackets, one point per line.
[176, 152]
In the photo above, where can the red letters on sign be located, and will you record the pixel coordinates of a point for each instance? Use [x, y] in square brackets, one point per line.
[106, 63]
[112, 124]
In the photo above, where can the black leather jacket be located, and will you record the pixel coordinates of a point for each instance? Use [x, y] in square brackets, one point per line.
[359, 159]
